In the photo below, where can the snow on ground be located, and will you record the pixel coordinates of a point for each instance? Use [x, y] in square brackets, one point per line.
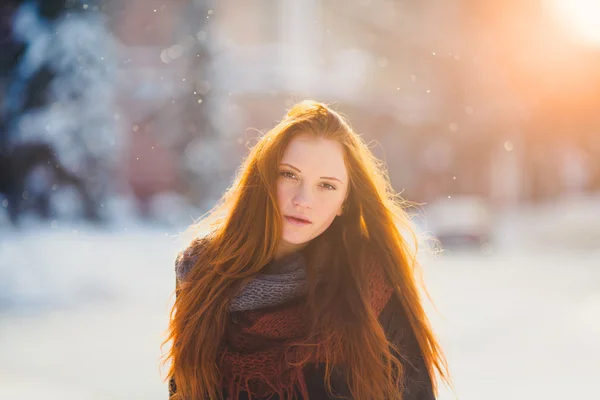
[88, 311]
[83, 312]
[520, 326]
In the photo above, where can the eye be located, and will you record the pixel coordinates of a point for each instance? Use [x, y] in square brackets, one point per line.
[288, 174]
[328, 186]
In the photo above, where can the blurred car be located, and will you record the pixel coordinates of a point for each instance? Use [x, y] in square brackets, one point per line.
[459, 220]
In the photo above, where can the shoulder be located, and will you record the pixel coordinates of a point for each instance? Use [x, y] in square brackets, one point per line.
[398, 330]
[187, 258]
[397, 327]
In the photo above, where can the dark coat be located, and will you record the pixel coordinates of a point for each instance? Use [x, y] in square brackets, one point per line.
[396, 326]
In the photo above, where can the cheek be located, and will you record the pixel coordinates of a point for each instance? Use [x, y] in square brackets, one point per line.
[328, 220]
[283, 193]
[325, 219]
[327, 210]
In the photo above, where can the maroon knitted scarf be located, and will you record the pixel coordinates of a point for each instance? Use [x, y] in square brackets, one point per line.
[257, 358]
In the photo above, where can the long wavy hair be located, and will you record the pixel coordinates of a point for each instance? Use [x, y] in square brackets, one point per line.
[244, 229]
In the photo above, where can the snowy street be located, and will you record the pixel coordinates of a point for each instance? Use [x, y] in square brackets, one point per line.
[123, 122]
[520, 326]
[83, 318]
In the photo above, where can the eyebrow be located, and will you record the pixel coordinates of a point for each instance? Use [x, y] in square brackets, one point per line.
[323, 177]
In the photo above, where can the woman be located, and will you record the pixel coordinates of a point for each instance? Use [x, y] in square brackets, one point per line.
[304, 287]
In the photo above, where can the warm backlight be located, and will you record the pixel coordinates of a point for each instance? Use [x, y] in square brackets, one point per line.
[580, 17]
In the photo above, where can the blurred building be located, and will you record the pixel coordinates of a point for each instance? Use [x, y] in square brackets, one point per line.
[394, 68]
[164, 62]
[456, 95]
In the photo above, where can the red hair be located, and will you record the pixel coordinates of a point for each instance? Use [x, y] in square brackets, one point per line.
[245, 229]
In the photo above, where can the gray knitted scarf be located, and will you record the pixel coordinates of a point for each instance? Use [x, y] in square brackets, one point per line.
[281, 281]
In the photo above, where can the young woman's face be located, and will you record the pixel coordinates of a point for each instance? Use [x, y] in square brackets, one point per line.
[312, 186]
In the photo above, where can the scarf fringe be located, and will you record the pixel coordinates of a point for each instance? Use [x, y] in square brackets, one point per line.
[258, 386]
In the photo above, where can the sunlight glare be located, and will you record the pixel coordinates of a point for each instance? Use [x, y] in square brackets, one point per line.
[581, 17]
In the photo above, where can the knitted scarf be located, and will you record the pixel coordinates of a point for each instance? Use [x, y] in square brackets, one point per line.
[265, 320]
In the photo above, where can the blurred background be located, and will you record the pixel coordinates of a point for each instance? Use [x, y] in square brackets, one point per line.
[123, 121]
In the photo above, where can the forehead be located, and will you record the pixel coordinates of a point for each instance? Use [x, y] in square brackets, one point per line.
[314, 155]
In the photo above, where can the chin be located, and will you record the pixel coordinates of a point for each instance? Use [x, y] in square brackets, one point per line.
[296, 239]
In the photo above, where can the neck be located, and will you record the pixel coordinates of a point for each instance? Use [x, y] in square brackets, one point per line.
[285, 249]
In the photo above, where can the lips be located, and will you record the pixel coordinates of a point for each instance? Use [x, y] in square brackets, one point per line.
[297, 220]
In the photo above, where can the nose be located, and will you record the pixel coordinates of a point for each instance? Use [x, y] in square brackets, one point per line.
[303, 198]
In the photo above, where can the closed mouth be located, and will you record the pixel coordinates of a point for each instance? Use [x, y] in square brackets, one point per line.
[298, 219]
